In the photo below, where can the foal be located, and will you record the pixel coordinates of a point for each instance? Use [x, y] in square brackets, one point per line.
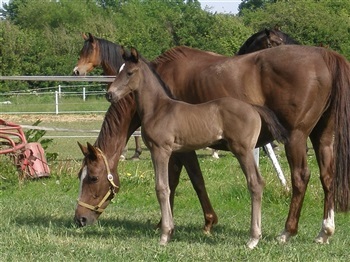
[170, 126]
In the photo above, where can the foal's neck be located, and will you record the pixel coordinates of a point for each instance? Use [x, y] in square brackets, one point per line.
[151, 94]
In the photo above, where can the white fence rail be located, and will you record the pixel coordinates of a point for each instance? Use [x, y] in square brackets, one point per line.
[55, 100]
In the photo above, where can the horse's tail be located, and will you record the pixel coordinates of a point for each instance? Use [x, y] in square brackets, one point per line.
[340, 106]
[277, 130]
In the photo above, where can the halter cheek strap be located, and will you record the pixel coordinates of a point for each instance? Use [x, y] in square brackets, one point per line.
[110, 192]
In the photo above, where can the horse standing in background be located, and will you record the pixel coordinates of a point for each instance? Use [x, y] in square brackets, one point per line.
[108, 56]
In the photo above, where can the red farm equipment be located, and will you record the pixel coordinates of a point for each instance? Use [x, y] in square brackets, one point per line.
[29, 158]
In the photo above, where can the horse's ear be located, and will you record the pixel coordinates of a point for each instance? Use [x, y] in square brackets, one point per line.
[92, 152]
[134, 55]
[91, 38]
[83, 149]
[267, 32]
[84, 36]
[277, 28]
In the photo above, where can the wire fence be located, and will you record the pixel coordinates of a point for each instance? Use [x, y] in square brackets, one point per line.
[61, 99]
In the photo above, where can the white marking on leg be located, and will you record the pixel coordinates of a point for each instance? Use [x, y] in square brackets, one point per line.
[327, 230]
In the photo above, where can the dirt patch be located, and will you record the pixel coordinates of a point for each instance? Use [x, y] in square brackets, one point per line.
[21, 119]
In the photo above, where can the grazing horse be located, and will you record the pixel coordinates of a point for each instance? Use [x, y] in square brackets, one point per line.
[100, 52]
[190, 127]
[121, 121]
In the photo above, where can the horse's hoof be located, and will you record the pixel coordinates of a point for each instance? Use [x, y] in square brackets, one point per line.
[215, 155]
[322, 238]
[283, 237]
[122, 158]
[252, 243]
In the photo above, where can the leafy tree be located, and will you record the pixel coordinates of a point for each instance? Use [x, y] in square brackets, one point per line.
[310, 22]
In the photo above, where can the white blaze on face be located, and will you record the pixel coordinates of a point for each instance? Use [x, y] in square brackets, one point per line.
[121, 68]
[83, 175]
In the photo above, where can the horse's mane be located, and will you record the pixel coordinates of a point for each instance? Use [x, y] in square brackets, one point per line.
[111, 124]
[111, 53]
[170, 55]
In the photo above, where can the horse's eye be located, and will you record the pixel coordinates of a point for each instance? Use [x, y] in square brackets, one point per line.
[129, 73]
[93, 179]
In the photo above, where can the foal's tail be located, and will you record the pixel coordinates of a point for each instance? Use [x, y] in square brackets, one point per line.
[277, 130]
[340, 106]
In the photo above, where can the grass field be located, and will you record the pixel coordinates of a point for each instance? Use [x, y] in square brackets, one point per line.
[37, 216]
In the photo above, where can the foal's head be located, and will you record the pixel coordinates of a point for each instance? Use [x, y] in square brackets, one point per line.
[128, 79]
[97, 186]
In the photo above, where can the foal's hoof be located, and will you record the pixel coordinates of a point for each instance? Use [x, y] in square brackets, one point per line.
[252, 243]
[164, 240]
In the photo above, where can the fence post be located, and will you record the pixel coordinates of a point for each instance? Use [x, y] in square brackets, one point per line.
[56, 102]
[59, 90]
[84, 95]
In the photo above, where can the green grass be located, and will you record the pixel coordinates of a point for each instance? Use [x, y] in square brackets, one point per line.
[45, 103]
[37, 216]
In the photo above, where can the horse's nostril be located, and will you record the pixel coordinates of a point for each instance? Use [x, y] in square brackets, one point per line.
[109, 96]
[76, 72]
[81, 221]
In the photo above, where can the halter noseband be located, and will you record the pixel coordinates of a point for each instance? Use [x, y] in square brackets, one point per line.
[110, 192]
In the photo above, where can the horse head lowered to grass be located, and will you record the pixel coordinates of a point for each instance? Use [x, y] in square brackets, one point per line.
[190, 127]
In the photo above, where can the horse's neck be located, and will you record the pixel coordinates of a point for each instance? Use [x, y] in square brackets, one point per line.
[110, 60]
[108, 69]
[115, 130]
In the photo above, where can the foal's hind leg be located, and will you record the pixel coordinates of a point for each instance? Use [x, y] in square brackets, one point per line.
[255, 184]
[300, 175]
[322, 140]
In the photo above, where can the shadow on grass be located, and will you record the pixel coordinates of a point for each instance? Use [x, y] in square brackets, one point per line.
[128, 228]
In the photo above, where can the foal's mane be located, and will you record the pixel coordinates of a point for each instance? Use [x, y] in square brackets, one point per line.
[151, 66]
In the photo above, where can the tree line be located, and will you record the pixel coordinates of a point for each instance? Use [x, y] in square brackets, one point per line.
[43, 37]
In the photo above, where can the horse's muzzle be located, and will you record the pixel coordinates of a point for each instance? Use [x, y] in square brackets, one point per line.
[109, 96]
[81, 222]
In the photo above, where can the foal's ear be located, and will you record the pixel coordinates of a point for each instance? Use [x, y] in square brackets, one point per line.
[83, 149]
[134, 55]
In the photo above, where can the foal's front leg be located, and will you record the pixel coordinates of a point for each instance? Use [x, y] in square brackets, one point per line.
[160, 159]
